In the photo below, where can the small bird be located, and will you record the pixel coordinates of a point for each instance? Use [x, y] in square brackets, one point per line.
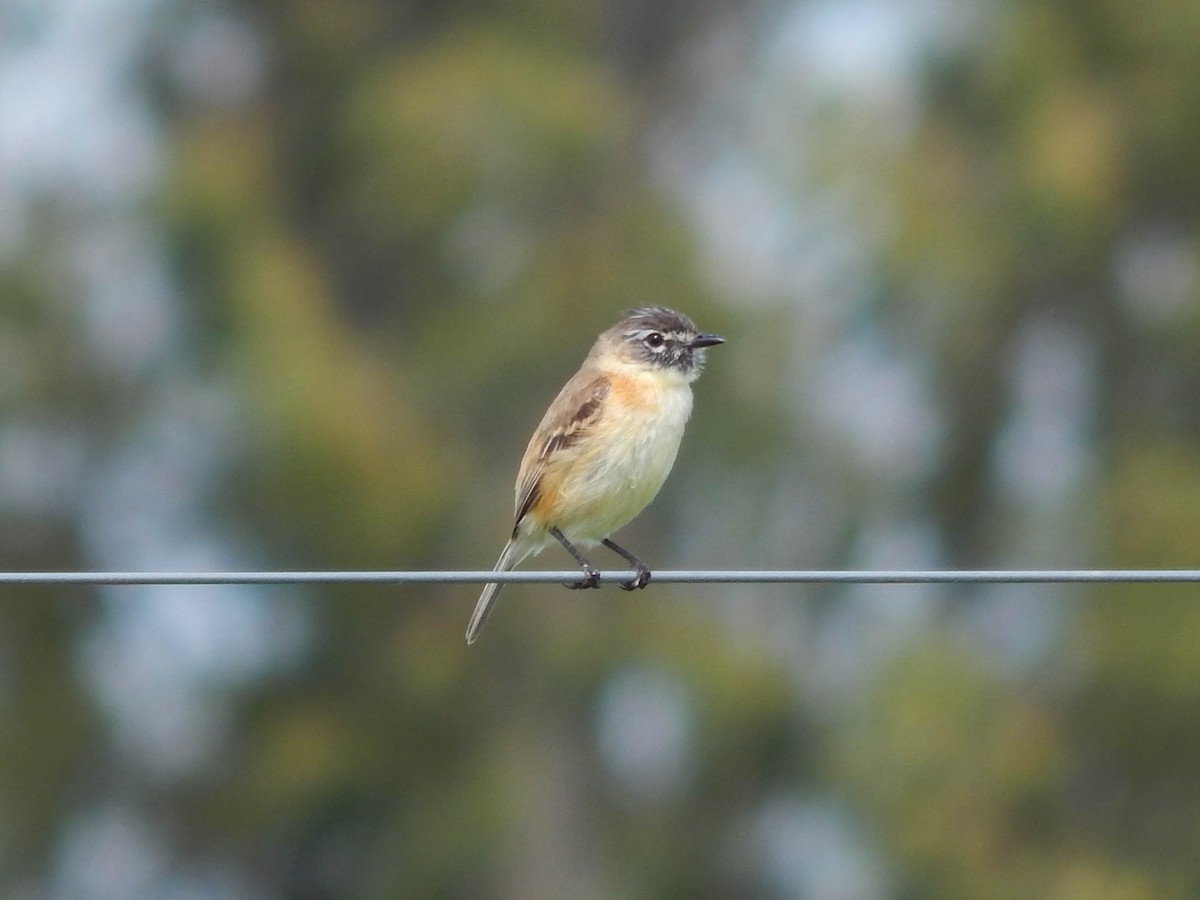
[605, 445]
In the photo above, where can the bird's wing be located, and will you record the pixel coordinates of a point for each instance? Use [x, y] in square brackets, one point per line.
[574, 411]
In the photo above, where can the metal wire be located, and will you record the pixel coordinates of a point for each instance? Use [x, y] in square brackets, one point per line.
[701, 576]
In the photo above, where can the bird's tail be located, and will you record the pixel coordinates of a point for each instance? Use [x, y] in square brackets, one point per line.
[490, 591]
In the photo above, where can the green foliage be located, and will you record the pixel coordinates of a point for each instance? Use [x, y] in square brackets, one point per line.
[393, 252]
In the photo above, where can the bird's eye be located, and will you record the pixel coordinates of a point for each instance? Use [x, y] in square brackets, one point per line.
[654, 340]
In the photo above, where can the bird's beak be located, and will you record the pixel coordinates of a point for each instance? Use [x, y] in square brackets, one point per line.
[706, 340]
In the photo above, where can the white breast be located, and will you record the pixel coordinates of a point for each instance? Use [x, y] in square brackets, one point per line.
[634, 451]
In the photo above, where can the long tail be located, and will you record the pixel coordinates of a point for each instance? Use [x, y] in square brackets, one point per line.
[490, 591]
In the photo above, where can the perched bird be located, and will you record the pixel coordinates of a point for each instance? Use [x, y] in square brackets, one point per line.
[605, 445]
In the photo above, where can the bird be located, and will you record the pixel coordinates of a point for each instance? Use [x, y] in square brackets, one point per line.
[605, 446]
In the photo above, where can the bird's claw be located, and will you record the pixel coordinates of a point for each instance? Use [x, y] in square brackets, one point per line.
[591, 579]
[639, 581]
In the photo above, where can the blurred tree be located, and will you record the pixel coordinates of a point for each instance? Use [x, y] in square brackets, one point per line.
[961, 270]
[1044, 209]
[423, 217]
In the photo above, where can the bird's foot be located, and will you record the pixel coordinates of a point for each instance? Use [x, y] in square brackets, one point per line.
[639, 581]
[591, 579]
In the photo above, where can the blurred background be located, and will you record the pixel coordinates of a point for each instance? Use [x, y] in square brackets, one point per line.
[288, 284]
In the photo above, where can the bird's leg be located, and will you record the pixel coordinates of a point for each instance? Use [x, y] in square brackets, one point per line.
[591, 575]
[642, 578]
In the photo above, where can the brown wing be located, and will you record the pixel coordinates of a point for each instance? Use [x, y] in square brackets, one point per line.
[577, 408]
